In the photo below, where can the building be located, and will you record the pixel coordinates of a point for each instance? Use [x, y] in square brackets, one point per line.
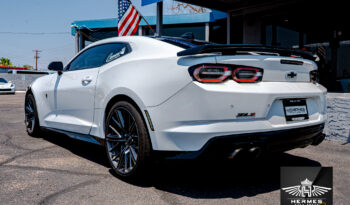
[6, 69]
[322, 27]
[204, 26]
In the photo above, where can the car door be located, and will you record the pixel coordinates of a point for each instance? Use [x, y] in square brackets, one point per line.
[74, 90]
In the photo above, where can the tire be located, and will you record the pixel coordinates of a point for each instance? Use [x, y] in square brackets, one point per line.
[31, 117]
[127, 142]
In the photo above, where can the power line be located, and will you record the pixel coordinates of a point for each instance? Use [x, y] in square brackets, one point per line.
[34, 33]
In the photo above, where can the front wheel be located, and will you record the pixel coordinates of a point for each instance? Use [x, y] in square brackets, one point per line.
[127, 142]
[31, 116]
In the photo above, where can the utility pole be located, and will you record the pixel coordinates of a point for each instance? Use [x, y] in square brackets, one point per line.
[36, 57]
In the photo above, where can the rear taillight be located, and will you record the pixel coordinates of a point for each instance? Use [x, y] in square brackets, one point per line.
[214, 73]
[314, 76]
[211, 73]
[247, 74]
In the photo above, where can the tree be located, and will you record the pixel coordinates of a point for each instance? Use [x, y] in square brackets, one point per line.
[178, 8]
[5, 62]
[28, 67]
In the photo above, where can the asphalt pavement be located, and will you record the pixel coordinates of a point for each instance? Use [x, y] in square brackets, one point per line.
[55, 169]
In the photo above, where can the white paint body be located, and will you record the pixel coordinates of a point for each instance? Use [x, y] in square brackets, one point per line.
[7, 88]
[185, 113]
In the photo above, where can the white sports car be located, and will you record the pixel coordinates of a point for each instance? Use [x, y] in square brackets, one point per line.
[7, 87]
[180, 98]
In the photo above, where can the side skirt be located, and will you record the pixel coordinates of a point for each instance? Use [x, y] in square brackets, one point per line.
[78, 136]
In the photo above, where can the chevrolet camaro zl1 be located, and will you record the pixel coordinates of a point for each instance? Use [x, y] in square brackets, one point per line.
[180, 98]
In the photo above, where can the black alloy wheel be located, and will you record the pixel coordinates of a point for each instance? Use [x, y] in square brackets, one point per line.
[126, 140]
[31, 116]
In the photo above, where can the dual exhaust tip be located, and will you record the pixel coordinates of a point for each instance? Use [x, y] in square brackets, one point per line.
[253, 151]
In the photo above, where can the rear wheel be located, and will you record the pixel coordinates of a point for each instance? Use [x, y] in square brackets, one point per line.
[126, 139]
[31, 117]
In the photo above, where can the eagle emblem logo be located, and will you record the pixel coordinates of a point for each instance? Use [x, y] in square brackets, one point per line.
[306, 189]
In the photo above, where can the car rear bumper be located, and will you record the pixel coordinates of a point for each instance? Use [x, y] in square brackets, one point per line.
[253, 143]
[200, 112]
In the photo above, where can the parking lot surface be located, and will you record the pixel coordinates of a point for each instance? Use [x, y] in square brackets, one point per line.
[58, 170]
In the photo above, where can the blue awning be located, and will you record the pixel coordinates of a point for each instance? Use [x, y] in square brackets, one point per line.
[167, 20]
[147, 2]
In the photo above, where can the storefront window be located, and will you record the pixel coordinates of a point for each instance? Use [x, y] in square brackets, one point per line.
[281, 36]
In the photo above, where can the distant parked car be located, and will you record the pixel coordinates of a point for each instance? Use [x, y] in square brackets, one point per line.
[7, 87]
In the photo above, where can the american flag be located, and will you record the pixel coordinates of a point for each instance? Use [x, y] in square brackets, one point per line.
[129, 18]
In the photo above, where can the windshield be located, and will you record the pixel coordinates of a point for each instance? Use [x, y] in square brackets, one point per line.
[182, 42]
[3, 80]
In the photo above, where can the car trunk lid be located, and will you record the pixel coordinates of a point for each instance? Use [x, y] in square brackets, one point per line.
[278, 64]
[276, 68]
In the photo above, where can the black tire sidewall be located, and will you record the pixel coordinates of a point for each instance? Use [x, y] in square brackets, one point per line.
[36, 129]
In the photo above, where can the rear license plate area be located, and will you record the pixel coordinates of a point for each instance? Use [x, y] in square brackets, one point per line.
[295, 109]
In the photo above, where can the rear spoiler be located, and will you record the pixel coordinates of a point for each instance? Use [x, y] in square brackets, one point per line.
[239, 49]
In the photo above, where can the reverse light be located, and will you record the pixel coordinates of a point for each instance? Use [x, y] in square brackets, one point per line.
[211, 73]
[247, 74]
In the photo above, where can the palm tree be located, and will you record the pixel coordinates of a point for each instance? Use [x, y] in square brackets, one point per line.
[5, 62]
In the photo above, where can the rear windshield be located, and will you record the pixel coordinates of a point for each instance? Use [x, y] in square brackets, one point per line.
[183, 43]
[3, 80]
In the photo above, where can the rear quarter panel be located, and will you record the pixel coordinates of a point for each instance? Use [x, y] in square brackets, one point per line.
[149, 80]
[152, 72]
[148, 76]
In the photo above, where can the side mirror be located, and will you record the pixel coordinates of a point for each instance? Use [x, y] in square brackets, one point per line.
[56, 66]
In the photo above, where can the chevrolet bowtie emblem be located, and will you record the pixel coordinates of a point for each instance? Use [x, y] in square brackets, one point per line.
[291, 75]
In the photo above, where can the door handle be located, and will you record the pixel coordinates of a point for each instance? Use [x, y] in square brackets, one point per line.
[86, 79]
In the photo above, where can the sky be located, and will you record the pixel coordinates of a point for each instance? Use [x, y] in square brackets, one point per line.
[22, 20]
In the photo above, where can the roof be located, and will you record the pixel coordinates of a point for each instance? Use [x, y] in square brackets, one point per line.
[12, 68]
[229, 5]
[141, 45]
[167, 20]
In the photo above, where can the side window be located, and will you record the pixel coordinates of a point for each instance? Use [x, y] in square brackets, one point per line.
[116, 51]
[98, 56]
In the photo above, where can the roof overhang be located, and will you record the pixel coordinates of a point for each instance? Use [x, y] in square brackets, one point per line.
[229, 5]
[167, 20]
[251, 6]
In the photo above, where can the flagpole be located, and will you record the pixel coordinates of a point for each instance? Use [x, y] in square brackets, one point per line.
[159, 18]
[149, 26]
